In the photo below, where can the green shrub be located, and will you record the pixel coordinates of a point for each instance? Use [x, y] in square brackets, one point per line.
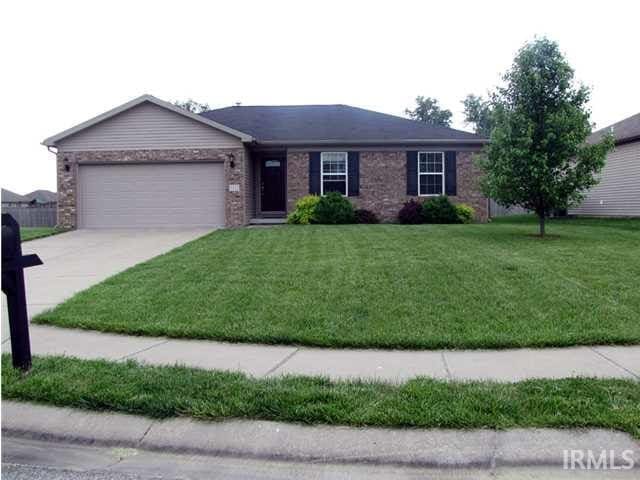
[333, 208]
[305, 210]
[439, 210]
[465, 213]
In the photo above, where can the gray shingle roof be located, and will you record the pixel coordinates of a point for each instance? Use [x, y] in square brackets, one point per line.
[12, 197]
[42, 196]
[623, 131]
[330, 123]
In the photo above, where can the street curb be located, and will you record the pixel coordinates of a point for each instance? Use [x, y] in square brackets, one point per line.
[319, 444]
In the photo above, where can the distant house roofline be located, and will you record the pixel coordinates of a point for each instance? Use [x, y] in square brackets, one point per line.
[624, 131]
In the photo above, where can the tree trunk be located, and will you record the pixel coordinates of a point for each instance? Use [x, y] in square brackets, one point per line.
[541, 222]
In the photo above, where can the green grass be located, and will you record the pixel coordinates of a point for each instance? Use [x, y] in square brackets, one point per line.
[384, 286]
[177, 391]
[31, 233]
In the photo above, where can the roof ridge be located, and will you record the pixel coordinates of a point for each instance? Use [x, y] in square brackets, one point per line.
[417, 121]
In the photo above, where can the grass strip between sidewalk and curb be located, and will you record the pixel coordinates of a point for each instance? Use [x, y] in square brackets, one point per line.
[163, 392]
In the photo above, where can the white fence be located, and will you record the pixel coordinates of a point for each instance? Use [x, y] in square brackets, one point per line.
[35, 215]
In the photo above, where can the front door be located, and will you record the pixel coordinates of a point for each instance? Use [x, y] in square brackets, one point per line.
[272, 196]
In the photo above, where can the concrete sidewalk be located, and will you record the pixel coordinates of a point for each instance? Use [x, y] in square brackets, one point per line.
[322, 444]
[386, 365]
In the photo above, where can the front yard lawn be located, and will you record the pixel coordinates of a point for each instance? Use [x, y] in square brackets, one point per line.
[215, 395]
[31, 233]
[384, 286]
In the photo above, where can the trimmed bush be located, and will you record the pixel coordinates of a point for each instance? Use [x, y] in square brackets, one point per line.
[305, 210]
[333, 208]
[465, 213]
[410, 213]
[439, 210]
[366, 216]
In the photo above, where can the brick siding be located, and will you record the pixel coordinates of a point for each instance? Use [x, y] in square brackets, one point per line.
[383, 183]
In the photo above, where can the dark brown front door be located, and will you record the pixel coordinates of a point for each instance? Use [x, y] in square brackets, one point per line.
[272, 197]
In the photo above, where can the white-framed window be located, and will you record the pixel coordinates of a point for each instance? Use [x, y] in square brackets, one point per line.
[333, 173]
[430, 173]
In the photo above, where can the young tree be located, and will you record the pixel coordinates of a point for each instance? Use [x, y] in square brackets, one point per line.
[427, 110]
[192, 106]
[537, 156]
[477, 112]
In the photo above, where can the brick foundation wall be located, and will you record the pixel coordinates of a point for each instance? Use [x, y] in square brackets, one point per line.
[383, 182]
[237, 206]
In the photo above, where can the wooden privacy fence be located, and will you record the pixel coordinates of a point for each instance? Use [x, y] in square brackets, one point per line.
[497, 210]
[35, 215]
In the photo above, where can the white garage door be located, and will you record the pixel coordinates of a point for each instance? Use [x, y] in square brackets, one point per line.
[151, 195]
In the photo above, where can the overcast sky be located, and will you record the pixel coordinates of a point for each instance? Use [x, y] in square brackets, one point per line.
[64, 62]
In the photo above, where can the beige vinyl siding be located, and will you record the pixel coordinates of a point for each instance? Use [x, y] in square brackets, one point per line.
[149, 127]
[618, 193]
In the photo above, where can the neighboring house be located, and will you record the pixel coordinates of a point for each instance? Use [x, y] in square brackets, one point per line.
[10, 198]
[149, 163]
[32, 210]
[42, 196]
[618, 193]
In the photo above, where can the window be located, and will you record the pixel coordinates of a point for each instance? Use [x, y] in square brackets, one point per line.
[333, 177]
[430, 173]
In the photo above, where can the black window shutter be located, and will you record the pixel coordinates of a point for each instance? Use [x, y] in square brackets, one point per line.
[450, 181]
[354, 174]
[412, 173]
[314, 173]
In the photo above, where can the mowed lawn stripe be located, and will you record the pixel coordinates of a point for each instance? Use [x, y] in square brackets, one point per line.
[382, 286]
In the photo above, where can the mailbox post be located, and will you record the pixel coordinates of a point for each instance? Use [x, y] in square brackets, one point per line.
[13, 265]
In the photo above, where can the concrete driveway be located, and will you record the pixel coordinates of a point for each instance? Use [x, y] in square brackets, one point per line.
[76, 260]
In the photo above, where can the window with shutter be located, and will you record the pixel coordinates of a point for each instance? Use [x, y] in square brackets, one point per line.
[333, 172]
[430, 173]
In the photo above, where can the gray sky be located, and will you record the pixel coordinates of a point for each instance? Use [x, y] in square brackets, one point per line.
[65, 62]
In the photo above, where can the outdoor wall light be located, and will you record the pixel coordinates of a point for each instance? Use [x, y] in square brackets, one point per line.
[232, 159]
[66, 164]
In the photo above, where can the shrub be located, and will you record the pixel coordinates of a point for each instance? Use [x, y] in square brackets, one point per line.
[333, 208]
[366, 216]
[410, 213]
[305, 210]
[439, 210]
[465, 213]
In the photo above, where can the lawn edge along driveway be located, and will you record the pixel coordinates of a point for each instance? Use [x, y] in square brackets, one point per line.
[33, 233]
[164, 392]
[416, 287]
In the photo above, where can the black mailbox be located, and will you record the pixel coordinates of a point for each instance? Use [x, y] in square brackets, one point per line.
[13, 265]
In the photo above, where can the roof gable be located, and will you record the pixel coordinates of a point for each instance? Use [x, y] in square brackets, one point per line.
[55, 139]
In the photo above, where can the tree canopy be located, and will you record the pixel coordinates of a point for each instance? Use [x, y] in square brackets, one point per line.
[427, 110]
[538, 156]
[477, 112]
[192, 105]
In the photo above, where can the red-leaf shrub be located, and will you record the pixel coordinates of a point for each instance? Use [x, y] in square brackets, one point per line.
[410, 213]
[366, 216]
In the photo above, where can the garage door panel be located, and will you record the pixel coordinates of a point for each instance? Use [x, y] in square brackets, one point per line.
[151, 195]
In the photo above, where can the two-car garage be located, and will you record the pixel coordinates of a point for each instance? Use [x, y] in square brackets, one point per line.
[150, 195]
[149, 164]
